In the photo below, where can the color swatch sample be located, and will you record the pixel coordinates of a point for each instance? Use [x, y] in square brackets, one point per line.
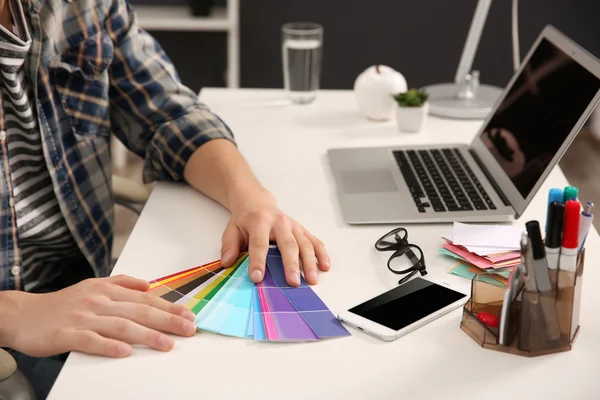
[227, 302]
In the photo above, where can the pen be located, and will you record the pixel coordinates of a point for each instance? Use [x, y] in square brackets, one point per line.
[568, 250]
[570, 193]
[587, 218]
[554, 233]
[554, 194]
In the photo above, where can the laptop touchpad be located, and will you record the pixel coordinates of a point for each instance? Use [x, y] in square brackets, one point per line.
[368, 181]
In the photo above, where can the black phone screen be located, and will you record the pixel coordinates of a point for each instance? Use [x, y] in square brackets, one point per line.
[407, 303]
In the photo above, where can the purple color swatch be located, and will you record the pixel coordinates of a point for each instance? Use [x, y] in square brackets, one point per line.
[277, 300]
[304, 299]
[324, 324]
[275, 267]
[268, 279]
[299, 314]
[291, 326]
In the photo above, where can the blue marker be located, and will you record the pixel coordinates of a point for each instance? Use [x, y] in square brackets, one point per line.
[555, 194]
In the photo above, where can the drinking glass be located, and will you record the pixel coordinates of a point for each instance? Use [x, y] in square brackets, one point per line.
[302, 57]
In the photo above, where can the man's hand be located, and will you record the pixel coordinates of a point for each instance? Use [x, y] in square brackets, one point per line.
[97, 316]
[256, 221]
[218, 170]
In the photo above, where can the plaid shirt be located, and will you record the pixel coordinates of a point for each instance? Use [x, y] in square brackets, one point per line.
[94, 73]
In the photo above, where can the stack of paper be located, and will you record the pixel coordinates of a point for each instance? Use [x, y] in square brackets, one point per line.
[483, 248]
[226, 302]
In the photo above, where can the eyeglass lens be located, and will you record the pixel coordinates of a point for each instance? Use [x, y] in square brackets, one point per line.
[391, 239]
[406, 259]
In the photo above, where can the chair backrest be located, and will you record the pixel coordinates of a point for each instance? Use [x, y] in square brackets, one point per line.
[8, 365]
[13, 384]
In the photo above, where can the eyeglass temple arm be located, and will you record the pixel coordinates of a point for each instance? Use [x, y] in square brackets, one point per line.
[412, 256]
[407, 277]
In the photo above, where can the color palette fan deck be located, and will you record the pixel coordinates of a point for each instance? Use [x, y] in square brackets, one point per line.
[227, 302]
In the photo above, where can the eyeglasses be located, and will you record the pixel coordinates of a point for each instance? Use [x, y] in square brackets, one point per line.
[406, 258]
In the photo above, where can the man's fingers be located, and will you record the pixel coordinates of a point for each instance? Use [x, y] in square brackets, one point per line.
[129, 282]
[322, 257]
[230, 244]
[124, 330]
[288, 247]
[258, 247]
[121, 294]
[307, 256]
[90, 342]
[150, 317]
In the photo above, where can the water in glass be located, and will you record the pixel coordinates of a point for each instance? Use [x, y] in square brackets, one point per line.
[302, 53]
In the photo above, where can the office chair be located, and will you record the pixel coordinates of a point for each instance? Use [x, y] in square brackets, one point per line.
[13, 384]
[129, 194]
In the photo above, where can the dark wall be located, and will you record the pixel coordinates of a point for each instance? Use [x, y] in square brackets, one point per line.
[199, 57]
[422, 39]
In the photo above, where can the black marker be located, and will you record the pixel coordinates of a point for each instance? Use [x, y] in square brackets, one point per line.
[540, 265]
[554, 229]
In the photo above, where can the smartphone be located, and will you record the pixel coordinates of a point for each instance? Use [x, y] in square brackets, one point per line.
[405, 308]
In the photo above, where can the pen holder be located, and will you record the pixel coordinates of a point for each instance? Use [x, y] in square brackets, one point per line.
[538, 322]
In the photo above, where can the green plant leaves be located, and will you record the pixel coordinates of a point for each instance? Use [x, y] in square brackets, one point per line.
[411, 98]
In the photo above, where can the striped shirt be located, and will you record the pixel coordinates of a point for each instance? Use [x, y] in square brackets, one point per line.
[92, 73]
[44, 238]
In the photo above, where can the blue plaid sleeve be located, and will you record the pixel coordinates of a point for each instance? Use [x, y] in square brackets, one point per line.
[152, 112]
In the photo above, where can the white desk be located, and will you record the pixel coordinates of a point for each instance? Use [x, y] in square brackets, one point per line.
[285, 146]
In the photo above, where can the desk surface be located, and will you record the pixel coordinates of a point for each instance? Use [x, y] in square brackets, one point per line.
[286, 146]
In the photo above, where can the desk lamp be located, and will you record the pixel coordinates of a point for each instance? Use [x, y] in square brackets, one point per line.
[466, 98]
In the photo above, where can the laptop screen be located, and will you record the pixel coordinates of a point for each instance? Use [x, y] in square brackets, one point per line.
[538, 113]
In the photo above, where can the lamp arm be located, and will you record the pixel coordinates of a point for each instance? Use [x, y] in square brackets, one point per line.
[477, 24]
[470, 48]
[515, 35]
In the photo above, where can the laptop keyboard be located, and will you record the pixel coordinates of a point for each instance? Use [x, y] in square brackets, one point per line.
[442, 180]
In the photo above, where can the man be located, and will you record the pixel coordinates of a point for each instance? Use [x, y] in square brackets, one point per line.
[72, 73]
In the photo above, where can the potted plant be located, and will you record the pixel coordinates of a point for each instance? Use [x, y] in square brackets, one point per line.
[411, 109]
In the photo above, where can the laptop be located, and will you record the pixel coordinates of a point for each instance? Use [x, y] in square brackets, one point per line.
[493, 178]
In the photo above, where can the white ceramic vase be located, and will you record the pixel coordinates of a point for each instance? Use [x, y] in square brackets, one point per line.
[411, 119]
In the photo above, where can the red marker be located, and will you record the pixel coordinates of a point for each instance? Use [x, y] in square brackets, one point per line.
[570, 240]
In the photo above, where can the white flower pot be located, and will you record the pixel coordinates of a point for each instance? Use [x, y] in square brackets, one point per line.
[411, 119]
